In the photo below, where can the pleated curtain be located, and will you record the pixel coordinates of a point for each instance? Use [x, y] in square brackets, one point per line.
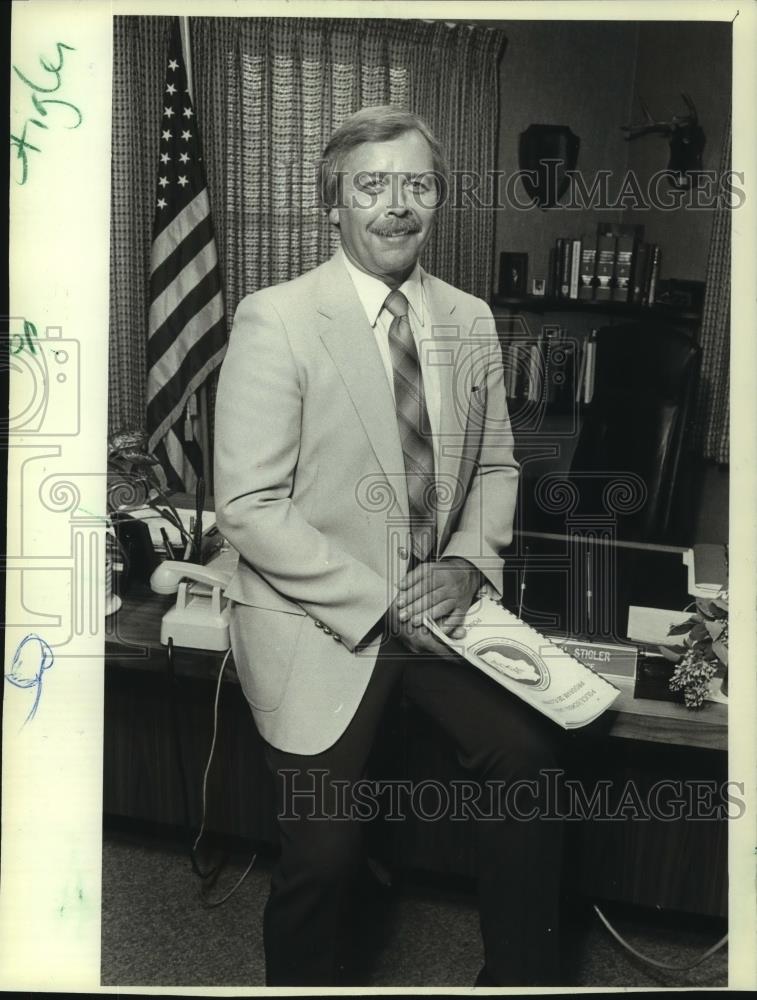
[140, 46]
[268, 93]
[714, 387]
[271, 91]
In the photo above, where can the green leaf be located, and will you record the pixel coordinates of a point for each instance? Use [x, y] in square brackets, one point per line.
[683, 628]
[721, 651]
[715, 629]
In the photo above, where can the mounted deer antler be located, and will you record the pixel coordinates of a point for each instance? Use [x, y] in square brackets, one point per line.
[687, 141]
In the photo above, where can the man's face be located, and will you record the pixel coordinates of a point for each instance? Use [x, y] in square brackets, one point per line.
[387, 205]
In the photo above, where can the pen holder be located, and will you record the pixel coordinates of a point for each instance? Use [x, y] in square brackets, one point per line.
[136, 550]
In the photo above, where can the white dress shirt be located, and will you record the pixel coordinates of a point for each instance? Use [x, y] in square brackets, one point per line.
[372, 293]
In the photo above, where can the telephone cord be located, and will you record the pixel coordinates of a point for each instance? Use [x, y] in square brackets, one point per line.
[210, 903]
[653, 961]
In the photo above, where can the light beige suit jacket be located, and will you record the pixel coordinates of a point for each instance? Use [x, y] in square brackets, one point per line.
[310, 487]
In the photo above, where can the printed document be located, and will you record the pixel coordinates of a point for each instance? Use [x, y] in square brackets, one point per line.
[530, 665]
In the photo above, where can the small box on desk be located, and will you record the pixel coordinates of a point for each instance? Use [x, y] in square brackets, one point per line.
[652, 681]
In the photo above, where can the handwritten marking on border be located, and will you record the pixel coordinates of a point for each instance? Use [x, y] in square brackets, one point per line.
[20, 142]
[26, 340]
[32, 658]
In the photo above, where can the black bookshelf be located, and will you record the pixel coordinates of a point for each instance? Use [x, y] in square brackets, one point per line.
[545, 304]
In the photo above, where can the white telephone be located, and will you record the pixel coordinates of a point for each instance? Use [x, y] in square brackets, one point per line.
[200, 617]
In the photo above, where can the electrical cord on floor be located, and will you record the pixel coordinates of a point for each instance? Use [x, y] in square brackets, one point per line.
[210, 876]
[180, 757]
[653, 961]
[204, 890]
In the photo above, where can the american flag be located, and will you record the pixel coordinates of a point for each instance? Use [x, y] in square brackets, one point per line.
[186, 326]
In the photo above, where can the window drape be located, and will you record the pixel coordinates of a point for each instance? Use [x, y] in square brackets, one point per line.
[714, 387]
[140, 45]
[268, 93]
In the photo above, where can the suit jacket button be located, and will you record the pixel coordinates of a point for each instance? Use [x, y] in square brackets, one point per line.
[326, 629]
[403, 553]
[318, 624]
[336, 637]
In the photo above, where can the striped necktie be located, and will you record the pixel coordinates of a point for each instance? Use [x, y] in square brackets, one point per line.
[414, 428]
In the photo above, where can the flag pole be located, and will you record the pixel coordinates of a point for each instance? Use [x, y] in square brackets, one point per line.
[202, 391]
[187, 52]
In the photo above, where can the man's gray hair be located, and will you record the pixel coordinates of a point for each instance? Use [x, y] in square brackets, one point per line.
[379, 123]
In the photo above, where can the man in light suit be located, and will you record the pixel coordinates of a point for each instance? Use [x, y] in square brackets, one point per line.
[365, 474]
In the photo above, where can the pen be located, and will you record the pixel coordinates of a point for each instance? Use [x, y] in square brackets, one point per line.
[199, 504]
[169, 547]
[523, 584]
[588, 588]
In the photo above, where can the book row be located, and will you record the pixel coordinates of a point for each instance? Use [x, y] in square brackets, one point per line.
[616, 265]
[552, 369]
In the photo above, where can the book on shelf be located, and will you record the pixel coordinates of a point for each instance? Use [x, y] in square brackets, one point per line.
[550, 335]
[624, 255]
[616, 250]
[575, 267]
[586, 386]
[581, 376]
[618, 266]
[639, 279]
[559, 367]
[586, 272]
[646, 274]
[517, 364]
[606, 249]
[535, 385]
[565, 267]
[565, 246]
[654, 273]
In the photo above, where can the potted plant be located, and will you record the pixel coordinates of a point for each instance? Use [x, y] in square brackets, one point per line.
[135, 480]
[701, 650]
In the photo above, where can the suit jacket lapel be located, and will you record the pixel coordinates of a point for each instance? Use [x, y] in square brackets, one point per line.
[349, 339]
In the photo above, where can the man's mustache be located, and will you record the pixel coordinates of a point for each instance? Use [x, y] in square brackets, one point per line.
[399, 228]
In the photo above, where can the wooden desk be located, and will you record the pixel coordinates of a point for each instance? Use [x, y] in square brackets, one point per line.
[668, 721]
[133, 636]
[656, 863]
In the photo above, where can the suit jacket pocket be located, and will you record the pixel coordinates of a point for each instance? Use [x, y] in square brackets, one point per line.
[263, 642]
[248, 587]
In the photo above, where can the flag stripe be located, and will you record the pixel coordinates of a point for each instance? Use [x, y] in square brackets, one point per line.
[179, 460]
[173, 326]
[180, 256]
[182, 286]
[169, 361]
[178, 228]
[162, 410]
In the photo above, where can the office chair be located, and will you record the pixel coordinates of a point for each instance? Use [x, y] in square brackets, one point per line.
[631, 449]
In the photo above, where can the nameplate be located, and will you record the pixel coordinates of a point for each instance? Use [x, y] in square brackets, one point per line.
[604, 658]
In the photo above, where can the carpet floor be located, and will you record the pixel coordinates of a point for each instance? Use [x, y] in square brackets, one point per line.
[157, 932]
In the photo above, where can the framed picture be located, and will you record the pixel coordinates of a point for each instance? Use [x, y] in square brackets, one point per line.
[538, 286]
[513, 274]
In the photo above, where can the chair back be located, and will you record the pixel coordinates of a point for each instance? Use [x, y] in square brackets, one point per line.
[632, 438]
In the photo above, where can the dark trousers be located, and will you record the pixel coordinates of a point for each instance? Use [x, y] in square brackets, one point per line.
[499, 739]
